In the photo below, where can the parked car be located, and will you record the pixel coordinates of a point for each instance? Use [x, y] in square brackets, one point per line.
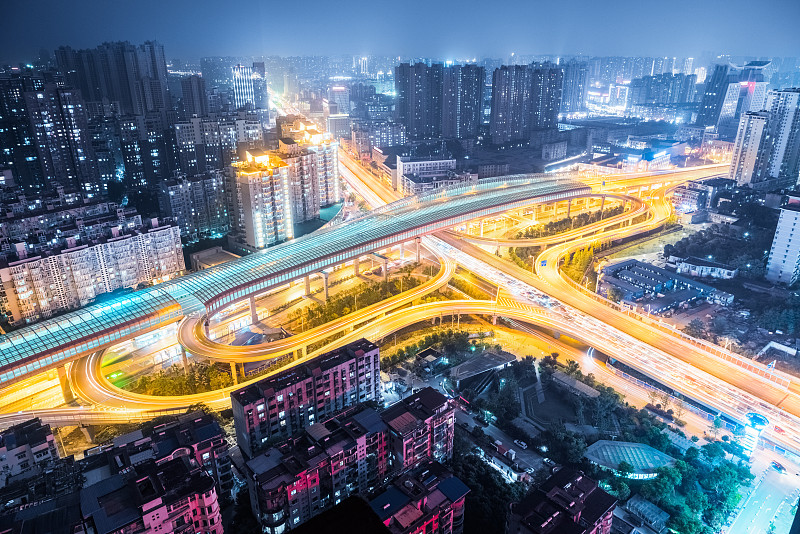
[521, 444]
[778, 467]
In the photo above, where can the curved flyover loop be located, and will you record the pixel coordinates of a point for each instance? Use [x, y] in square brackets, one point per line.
[704, 387]
[192, 335]
[638, 207]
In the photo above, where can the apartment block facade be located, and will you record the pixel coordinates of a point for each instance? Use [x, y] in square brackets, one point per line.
[284, 404]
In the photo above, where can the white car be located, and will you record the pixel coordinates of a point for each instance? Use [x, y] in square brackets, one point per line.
[521, 444]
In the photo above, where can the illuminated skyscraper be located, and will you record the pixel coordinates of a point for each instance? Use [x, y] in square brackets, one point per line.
[261, 212]
[767, 148]
[60, 133]
[339, 96]
[243, 93]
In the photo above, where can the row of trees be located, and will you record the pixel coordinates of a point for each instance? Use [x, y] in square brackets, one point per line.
[577, 263]
[568, 223]
[197, 378]
[351, 300]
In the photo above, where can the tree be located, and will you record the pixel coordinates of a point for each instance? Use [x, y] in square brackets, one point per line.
[680, 407]
[624, 469]
[652, 396]
[665, 400]
[695, 328]
[573, 367]
[717, 426]
[614, 294]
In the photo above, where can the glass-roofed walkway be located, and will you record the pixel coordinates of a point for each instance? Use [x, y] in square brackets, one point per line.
[56, 341]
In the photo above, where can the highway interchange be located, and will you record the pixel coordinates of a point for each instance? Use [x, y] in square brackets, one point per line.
[544, 298]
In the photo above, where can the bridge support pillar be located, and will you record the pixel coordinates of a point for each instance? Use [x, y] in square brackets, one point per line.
[302, 352]
[385, 269]
[234, 373]
[308, 286]
[481, 227]
[602, 203]
[355, 267]
[63, 380]
[184, 359]
[325, 276]
[494, 319]
[569, 207]
[88, 433]
[416, 245]
[402, 250]
[253, 310]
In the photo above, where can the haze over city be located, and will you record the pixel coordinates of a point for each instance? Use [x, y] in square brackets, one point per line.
[192, 29]
[399, 268]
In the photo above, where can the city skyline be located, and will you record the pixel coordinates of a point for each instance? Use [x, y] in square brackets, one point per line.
[439, 30]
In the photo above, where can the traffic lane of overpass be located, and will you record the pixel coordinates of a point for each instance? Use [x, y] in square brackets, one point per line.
[640, 208]
[95, 389]
[192, 336]
[673, 345]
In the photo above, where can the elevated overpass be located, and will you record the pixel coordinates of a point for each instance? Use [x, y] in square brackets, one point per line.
[54, 342]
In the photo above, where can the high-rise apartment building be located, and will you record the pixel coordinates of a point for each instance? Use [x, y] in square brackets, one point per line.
[19, 152]
[260, 96]
[243, 93]
[197, 204]
[435, 100]
[511, 102]
[568, 501]
[45, 137]
[313, 158]
[525, 98]
[334, 458]
[750, 152]
[260, 205]
[731, 91]
[576, 86]
[60, 131]
[546, 87]
[462, 100]
[134, 77]
[784, 112]
[365, 135]
[419, 99]
[204, 145]
[193, 92]
[77, 272]
[286, 403]
[783, 265]
[420, 426]
[767, 147]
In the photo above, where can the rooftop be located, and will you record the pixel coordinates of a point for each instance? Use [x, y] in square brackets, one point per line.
[644, 458]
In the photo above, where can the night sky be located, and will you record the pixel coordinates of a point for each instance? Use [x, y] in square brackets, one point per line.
[433, 28]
